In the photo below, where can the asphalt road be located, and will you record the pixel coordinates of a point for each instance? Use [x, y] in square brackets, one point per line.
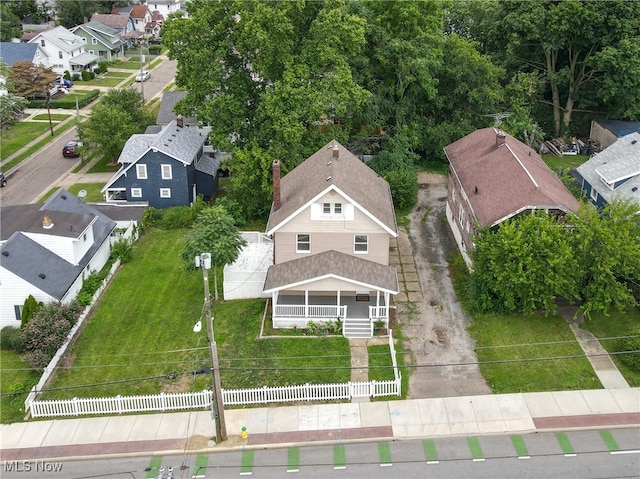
[36, 175]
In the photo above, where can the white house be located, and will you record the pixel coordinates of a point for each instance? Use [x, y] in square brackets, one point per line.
[48, 250]
[164, 7]
[64, 51]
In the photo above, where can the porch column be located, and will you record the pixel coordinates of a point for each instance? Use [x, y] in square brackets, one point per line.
[386, 303]
[306, 303]
[274, 300]
[338, 304]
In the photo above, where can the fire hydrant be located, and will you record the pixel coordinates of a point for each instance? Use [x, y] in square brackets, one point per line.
[243, 434]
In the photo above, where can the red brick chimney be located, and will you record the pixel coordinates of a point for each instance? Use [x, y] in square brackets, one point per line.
[276, 185]
[500, 137]
[180, 121]
[336, 151]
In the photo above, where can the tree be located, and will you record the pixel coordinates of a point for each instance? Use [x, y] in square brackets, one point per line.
[10, 25]
[11, 107]
[71, 12]
[523, 265]
[608, 254]
[29, 309]
[112, 122]
[214, 232]
[28, 80]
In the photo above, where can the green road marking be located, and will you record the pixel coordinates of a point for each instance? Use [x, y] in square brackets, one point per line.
[339, 457]
[246, 465]
[474, 447]
[384, 452]
[200, 467]
[608, 439]
[565, 444]
[293, 462]
[154, 467]
[520, 446]
[430, 450]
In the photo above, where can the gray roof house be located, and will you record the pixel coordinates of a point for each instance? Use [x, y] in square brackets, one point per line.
[614, 172]
[48, 250]
[102, 40]
[164, 169]
[12, 52]
[607, 132]
[331, 221]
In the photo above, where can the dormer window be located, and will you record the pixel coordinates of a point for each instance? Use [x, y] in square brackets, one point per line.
[326, 208]
[337, 208]
[42, 42]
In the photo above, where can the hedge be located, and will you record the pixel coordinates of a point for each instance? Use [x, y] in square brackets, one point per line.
[68, 102]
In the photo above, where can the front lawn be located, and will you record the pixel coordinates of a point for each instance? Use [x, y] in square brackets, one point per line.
[19, 135]
[563, 162]
[16, 380]
[140, 338]
[609, 328]
[515, 354]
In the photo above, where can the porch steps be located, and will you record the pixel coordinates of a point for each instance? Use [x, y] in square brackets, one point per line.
[357, 328]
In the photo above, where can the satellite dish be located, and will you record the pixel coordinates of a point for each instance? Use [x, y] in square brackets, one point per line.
[82, 194]
[498, 117]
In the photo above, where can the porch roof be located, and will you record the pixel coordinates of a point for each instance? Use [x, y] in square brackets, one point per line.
[332, 264]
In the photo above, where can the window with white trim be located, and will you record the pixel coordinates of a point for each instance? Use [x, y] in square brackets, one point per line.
[165, 192]
[136, 192]
[360, 244]
[461, 215]
[166, 172]
[303, 243]
[94, 41]
[594, 194]
[326, 208]
[59, 54]
[141, 172]
[337, 208]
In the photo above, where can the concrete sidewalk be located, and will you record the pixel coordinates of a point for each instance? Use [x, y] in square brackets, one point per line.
[281, 426]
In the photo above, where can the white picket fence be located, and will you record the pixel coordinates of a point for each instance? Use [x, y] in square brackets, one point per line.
[233, 397]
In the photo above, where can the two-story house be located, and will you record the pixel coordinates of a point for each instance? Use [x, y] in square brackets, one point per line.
[164, 7]
[48, 250]
[163, 169]
[12, 52]
[331, 222]
[139, 14]
[65, 51]
[101, 40]
[121, 23]
[614, 172]
[494, 177]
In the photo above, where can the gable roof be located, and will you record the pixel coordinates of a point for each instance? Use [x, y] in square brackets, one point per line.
[347, 175]
[29, 260]
[503, 179]
[332, 264]
[101, 32]
[621, 128]
[61, 37]
[166, 112]
[618, 162]
[11, 52]
[119, 22]
[139, 11]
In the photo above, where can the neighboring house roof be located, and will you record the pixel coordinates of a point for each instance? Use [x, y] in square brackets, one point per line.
[208, 165]
[11, 52]
[614, 165]
[84, 59]
[119, 22]
[347, 175]
[101, 32]
[621, 128]
[179, 143]
[61, 38]
[33, 262]
[501, 180]
[121, 212]
[139, 11]
[332, 264]
[166, 113]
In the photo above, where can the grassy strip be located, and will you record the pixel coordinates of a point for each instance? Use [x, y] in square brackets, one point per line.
[32, 149]
[48, 194]
[104, 165]
[523, 339]
[92, 189]
[562, 162]
[19, 135]
[613, 326]
[15, 382]
[141, 339]
[54, 117]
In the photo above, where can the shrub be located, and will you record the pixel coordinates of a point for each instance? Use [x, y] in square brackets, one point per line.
[121, 250]
[630, 343]
[86, 75]
[29, 309]
[90, 285]
[154, 50]
[47, 331]
[233, 208]
[10, 339]
[177, 217]
[75, 77]
[102, 67]
[67, 75]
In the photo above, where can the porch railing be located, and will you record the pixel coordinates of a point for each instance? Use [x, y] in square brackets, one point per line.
[378, 312]
[310, 311]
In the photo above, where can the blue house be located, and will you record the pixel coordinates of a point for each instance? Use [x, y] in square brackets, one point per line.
[164, 169]
[614, 172]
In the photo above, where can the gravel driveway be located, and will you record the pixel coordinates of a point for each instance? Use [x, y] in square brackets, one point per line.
[435, 331]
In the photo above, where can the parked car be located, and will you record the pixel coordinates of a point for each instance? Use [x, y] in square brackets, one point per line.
[3, 180]
[143, 76]
[70, 150]
[64, 83]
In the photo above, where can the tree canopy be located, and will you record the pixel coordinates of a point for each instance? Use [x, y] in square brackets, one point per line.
[27, 79]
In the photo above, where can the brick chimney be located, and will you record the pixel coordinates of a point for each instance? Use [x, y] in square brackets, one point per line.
[180, 121]
[276, 185]
[47, 223]
[501, 136]
[336, 151]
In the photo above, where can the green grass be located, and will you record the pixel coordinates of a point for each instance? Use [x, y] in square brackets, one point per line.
[615, 325]
[92, 189]
[19, 135]
[140, 337]
[48, 194]
[561, 162]
[54, 117]
[512, 350]
[104, 165]
[15, 382]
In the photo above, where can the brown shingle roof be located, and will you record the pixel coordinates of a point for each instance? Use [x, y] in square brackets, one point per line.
[347, 173]
[113, 21]
[138, 11]
[336, 264]
[509, 178]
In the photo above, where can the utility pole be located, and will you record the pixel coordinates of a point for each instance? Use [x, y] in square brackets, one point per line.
[141, 77]
[204, 261]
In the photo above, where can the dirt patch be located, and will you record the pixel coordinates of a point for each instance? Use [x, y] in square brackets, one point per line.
[435, 330]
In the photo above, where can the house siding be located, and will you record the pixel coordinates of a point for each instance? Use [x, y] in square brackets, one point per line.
[15, 291]
[182, 176]
[456, 198]
[63, 247]
[587, 189]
